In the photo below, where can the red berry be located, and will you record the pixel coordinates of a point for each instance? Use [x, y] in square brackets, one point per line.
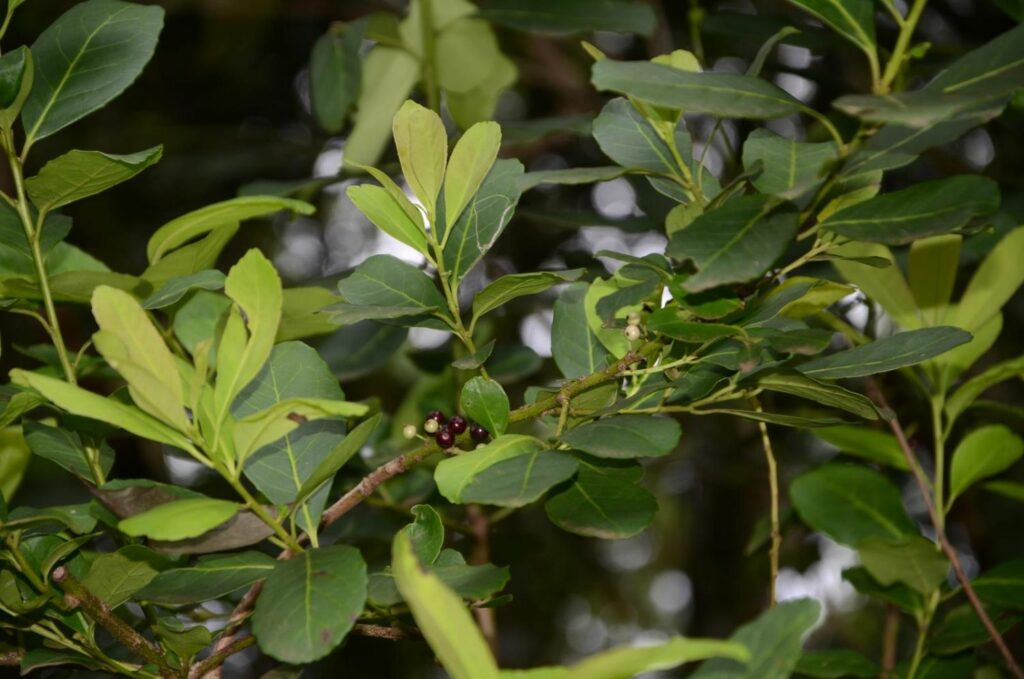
[445, 438]
[437, 416]
[457, 424]
[478, 433]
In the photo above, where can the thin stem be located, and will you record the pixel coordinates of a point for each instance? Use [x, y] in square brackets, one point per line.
[922, 635]
[939, 444]
[890, 637]
[563, 417]
[895, 64]
[384, 632]
[773, 487]
[217, 658]
[259, 511]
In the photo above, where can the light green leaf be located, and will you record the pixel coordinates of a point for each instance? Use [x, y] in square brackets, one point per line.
[483, 219]
[993, 284]
[603, 501]
[334, 460]
[887, 353]
[870, 444]
[932, 271]
[382, 207]
[914, 561]
[441, 616]
[78, 401]
[625, 436]
[320, 594]
[774, 640]
[422, 145]
[176, 288]
[80, 174]
[211, 577]
[968, 392]
[426, 533]
[887, 286]
[571, 176]
[195, 257]
[572, 16]
[472, 159]
[14, 459]
[852, 19]
[472, 583]
[736, 243]
[982, 453]
[466, 54]
[177, 232]
[850, 504]
[65, 448]
[377, 105]
[725, 95]
[335, 74]
[132, 345]
[116, 576]
[627, 662]
[831, 395]
[179, 519]
[479, 104]
[454, 475]
[925, 209]
[789, 168]
[485, 401]
[260, 429]
[86, 58]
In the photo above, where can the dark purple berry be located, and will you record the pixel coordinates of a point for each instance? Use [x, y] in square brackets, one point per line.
[445, 438]
[437, 416]
[457, 424]
[478, 433]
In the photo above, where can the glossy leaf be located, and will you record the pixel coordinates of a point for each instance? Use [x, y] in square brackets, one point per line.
[472, 159]
[468, 477]
[211, 577]
[309, 603]
[628, 138]
[86, 58]
[625, 436]
[484, 401]
[14, 66]
[914, 561]
[80, 174]
[850, 504]
[887, 353]
[179, 519]
[385, 281]
[736, 243]
[984, 452]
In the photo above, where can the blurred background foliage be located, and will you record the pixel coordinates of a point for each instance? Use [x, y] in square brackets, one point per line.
[228, 95]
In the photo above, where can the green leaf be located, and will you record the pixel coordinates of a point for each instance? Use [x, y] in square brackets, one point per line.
[376, 106]
[476, 359]
[200, 319]
[887, 353]
[335, 73]
[80, 174]
[925, 209]
[571, 176]
[173, 290]
[796, 384]
[14, 66]
[961, 629]
[852, 19]
[887, 286]
[572, 16]
[132, 345]
[789, 168]
[993, 283]
[775, 640]
[426, 533]
[625, 436]
[441, 616]
[736, 243]
[179, 519]
[198, 256]
[177, 232]
[870, 444]
[385, 211]
[455, 475]
[914, 561]
[212, 577]
[309, 603]
[65, 448]
[422, 145]
[483, 219]
[472, 583]
[898, 593]
[260, 429]
[628, 138]
[86, 58]
[42, 657]
[472, 158]
[850, 504]
[575, 348]
[984, 452]
[1003, 585]
[677, 324]
[468, 56]
[115, 577]
[919, 109]
[383, 282]
[78, 518]
[835, 664]
[626, 662]
[725, 95]
[335, 459]
[968, 392]
[485, 401]
[78, 401]
[603, 501]
[932, 271]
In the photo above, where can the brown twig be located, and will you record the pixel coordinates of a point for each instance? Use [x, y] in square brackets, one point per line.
[217, 658]
[940, 532]
[365, 488]
[384, 632]
[78, 595]
[890, 637]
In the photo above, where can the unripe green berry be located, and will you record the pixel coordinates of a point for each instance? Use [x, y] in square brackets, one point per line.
[431, 426]
[409, 431]
[634, 318]
[632, 332]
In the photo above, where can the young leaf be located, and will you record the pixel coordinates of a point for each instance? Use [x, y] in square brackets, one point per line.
[968, 392]
[887, 353]
[852, 19]
[914, 561]
[177, 232]
[789, 168]
[887, 286]
[260, 429]
[335, 72]
[603, 501]
[422, 145]
[472, 158]
[179, 519]
[376, 106]
[321, 592]
[725, 95]
[511, 286]
[441, 616]
[426, 533]
[628, 662]
[925, 209]
[850, 504]
[870, 444]
[626, 436]
[993, 284]
[80, 174]
[212, 577]
[132, 345]
[932, 272]
[190, 259]
[485, 401]
[86, 58]
[982, 453]
[387, 214]
[735, 243]
[335, 459]
[173, 290]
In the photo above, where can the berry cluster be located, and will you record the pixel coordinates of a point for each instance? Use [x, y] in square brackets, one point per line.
[633, 331]
[445, 429]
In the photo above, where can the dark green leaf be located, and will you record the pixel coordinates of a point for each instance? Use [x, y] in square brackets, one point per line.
[1003, 585]
[603, 501]
[792, 382]
[898, 594]
[341, 454]
[211, 577]
[335, 73]
[572, 16]
[116, 576]
[681, 326]
[576, 350]
[80, 174]
[485, 401]
[852, 19]
[628, 138]
[789, 168]
[509, 287]
[834, 664]
[961, 629]
[385, 281]
[176, 288]
[913, 561]
[626, 436]
[888, 353]
[66, 449]
[13, 68]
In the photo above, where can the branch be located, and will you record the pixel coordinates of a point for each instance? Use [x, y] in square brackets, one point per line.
[78, 595]
[383, 632]
[217, 658]
[940, 532]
